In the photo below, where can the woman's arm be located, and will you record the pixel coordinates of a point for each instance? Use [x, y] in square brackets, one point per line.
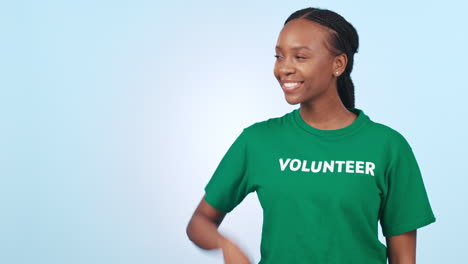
[401, 249]
[202, 228]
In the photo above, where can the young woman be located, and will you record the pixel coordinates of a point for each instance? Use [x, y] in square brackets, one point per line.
[324, 173]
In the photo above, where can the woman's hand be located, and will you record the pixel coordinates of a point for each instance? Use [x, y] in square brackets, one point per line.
[232, 253]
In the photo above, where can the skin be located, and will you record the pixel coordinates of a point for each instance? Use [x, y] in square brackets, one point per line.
[401, 249]
[321, 107]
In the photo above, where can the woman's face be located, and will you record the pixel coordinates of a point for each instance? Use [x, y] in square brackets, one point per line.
[304, 66]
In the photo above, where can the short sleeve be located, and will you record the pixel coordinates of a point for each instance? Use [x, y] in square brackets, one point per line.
[405, 206]
[229, 184]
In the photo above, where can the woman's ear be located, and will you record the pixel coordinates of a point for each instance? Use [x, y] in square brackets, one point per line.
[339, 64]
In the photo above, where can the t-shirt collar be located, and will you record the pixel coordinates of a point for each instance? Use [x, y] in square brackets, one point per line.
[361, 119]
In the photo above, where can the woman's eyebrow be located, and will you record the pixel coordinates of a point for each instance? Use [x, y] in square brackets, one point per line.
[295, 48]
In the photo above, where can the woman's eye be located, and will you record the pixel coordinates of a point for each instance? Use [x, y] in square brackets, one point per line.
[298, 57]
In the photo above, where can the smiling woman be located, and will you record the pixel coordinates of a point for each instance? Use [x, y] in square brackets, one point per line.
[300, 164]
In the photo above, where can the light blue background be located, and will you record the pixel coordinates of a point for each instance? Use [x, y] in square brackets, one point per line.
[115, 114]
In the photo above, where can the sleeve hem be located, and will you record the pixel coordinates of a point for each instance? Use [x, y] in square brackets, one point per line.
[400, 229]
[214, 205]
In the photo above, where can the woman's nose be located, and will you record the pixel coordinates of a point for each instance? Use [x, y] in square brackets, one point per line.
[286, 67]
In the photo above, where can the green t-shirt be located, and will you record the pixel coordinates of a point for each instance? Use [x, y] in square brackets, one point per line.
[323, 191]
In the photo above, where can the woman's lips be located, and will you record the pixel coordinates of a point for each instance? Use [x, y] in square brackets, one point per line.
[291, 86]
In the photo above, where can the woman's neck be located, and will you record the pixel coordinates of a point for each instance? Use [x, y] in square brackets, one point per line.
[327, 116]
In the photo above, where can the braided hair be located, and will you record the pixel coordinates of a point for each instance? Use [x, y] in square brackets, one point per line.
[344, 39]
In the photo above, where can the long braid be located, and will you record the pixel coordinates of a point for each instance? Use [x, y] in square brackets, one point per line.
[346, 89]
[344, 40]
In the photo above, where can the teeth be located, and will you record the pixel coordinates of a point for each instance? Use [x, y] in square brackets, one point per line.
[291, 84]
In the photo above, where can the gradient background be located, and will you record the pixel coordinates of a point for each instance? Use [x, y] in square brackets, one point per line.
[115, 114]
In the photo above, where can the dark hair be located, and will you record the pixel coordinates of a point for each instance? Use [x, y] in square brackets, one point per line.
[344, 40]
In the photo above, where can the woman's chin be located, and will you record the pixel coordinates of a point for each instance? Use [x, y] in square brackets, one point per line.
[292, 100]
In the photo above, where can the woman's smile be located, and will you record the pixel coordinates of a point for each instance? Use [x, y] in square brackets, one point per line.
[289, 86]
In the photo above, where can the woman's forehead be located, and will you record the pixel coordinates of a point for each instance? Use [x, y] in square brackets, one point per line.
[302, 33]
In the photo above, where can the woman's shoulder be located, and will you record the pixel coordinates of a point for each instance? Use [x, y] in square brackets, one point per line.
[390, 134]
[269, 124]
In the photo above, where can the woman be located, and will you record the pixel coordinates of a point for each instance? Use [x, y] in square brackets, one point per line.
[325, 173]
